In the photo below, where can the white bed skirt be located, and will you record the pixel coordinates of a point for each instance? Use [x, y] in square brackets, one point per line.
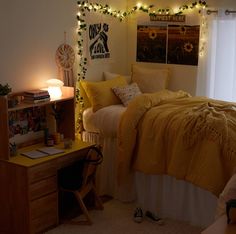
[163, 195]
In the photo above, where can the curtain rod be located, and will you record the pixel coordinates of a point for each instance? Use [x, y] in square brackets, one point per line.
[227, 12]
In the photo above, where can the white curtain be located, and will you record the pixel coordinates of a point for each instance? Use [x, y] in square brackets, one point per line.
[217, 66]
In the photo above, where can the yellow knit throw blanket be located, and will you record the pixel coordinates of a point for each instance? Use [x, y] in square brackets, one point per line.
[190, 138]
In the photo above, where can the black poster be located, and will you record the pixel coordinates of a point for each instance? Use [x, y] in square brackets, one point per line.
[98, 41]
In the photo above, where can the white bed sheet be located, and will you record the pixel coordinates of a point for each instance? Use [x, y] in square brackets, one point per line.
[161, 194]
[104, 121]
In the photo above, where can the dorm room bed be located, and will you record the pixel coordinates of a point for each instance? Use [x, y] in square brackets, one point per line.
[173, 168]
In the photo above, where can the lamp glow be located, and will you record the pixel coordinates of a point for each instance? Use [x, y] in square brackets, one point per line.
[54, 88]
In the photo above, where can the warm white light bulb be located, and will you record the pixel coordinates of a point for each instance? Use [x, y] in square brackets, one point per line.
[54, 88]
[175, 10]
[139, 5]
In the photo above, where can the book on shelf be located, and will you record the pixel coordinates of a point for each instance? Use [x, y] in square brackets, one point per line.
[26, 97]
[36, 93]
[42, 152]
[35, 101]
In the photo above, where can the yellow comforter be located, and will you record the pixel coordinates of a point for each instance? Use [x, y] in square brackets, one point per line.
[190, 138]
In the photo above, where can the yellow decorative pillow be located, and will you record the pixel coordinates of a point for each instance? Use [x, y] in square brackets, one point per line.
[100, 93]
[84, 96]
[150, 80]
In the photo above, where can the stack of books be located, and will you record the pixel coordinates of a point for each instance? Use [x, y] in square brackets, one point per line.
[36, 96]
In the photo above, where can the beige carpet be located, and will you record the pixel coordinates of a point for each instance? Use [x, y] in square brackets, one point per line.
[117, 218]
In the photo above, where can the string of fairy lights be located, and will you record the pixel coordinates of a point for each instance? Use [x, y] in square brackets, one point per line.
[151, 10]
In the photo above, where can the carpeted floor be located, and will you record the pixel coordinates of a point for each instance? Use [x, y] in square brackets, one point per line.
[117, 218]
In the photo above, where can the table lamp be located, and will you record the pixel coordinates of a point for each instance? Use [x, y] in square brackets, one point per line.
[54, 88]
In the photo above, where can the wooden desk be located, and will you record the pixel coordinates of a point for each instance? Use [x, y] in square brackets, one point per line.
[220, 226]
[28, 189]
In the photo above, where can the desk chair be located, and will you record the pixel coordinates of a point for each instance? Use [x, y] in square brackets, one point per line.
[79, 179]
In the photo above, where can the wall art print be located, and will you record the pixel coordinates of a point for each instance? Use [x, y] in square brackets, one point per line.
[27, 120]
[172, 44]
[183, 43]
[151, 43]
[98, 41]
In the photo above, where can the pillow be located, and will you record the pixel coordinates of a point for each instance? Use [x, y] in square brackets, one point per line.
[100, 93]
[127, 93]
[150, 80]
[110, 76]
[84, 96]
[228, 193]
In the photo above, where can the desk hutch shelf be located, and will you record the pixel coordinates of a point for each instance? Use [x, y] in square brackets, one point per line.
[29, 193]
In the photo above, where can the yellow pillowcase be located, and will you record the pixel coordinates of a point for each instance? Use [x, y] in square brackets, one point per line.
[100, 93]
[84, 96]
[150, 80]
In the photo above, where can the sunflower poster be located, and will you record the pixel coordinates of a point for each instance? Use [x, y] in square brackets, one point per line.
[183, 42]
[172, 44]
[151, 44]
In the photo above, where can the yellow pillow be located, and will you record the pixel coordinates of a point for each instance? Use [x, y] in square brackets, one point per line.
[84, 96]
[150, 80]
[100, 93]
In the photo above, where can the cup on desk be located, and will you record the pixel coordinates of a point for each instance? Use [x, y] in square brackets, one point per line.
[67, 143]
[13, 149]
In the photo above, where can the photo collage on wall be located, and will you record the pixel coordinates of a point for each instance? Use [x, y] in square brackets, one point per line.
[27, 120]
[172, 44]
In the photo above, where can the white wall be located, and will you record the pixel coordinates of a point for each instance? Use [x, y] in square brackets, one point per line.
[32, 30]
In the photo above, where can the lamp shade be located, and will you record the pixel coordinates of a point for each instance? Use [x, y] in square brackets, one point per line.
[54, 88]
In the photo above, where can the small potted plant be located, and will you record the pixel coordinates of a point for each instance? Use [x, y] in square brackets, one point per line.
[4, 89]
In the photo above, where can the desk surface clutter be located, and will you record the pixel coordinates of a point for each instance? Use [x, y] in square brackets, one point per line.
[42, 152]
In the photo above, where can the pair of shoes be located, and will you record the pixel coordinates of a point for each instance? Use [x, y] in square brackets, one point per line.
[153, 217]
[138, 215]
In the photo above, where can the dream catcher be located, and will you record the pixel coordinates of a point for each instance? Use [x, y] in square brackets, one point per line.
[65, 58]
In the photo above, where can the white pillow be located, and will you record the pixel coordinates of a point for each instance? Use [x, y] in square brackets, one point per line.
[127, 93]
[150, 80]
[228, 193]
[110, 76]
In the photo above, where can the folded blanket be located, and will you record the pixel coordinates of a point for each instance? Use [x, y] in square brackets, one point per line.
[190, 138]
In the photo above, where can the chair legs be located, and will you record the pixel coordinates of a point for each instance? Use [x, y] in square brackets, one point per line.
[79, 195]
[83, 208]
[98, 201]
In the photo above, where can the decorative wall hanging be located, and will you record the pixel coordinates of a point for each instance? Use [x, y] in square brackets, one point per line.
[180, 48]
[65, 58]
[151, 43]
[183, 43]
[168, 18]
[98, 41]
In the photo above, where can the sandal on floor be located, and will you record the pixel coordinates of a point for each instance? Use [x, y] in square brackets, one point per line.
[153, 217]
[138, 215]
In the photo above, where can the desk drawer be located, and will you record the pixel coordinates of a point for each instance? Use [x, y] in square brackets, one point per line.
[44, 222]
[71, 158]
[44, 205]
[42, 171]
[43, 187]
